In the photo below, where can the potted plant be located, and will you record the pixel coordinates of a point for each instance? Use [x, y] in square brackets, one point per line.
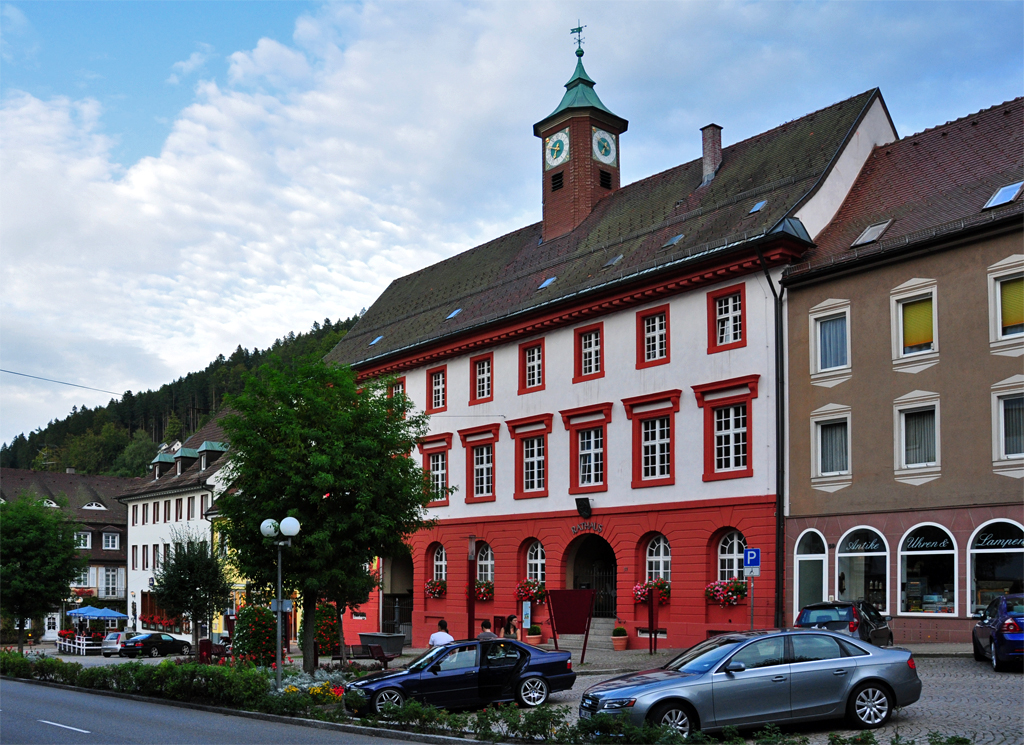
[534, 635]
[484, 590]
[436, 588]
[619, 638]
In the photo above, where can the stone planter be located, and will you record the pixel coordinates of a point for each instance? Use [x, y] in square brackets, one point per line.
[619, 643]
[534, 640]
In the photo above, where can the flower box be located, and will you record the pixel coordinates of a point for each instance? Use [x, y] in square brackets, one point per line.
[642, 591]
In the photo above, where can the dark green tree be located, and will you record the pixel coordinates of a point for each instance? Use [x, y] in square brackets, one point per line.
[352, 588]
[192, 581]
[136, 457]
[308, 442]
[173, 429]
[38, 559]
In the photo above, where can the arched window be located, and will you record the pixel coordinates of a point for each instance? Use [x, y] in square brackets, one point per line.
[730, 555]
[49, 503]
[811, 558]
[440, 564]
[535, 562]
[996, 562]
[659, 559]
[928, 571]
[94, 506]
[862, 562]
[485, 564]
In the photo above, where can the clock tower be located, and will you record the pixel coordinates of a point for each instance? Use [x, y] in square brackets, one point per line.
[581, 154]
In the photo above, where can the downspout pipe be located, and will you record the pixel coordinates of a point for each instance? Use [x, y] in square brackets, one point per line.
[780, 447]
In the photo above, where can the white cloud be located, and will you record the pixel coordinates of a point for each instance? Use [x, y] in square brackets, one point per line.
[270, 60]
[196, 61]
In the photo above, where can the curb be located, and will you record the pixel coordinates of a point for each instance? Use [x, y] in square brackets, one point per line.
[352, 729]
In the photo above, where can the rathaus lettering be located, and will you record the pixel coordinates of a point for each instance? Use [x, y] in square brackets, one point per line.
[583, 527]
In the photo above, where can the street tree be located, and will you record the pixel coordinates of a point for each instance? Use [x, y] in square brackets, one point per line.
[38, 558]
[192, 580]
[308, 442]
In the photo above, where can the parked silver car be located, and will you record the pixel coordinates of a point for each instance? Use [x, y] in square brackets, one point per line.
[751, 678]
[113, 643]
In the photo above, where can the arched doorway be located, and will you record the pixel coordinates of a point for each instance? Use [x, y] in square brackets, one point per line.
[397, 596]
[590, 565]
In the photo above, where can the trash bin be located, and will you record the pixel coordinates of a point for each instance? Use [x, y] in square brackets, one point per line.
[205, 650]
[389, 643]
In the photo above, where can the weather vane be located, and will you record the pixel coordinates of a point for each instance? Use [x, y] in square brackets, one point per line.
[579, 35]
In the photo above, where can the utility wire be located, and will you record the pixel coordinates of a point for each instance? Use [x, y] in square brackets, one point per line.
[61, 382]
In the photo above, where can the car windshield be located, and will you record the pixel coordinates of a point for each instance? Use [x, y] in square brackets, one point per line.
[812, 616]
[703, 656]
[112, 636]
[426, 659]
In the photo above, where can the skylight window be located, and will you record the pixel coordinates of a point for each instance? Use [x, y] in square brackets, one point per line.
[758, 207]
[1005, 195]
[94, 506]
[871, 233]
[673, 240]
[376, 340]
[547, 282]
[452, 315]
[612, 261]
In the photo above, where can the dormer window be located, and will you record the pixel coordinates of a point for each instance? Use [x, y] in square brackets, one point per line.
[177, 466]
[94, 506]
[871, 233]
[202, 462]
[1004, 195]
[49, 503]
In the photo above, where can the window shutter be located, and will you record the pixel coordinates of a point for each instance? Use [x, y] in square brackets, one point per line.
[92, 577]
[917, 323]
[120, 582]
[1012, 303]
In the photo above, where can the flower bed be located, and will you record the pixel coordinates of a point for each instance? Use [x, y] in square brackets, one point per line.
[726, 591]
[642, 591]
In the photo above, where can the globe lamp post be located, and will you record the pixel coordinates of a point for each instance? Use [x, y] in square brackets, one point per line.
[288, 527]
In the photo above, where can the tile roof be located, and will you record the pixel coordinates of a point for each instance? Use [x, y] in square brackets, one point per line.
[191, 477]
[931, 183]
[79, 489]
[501, 278]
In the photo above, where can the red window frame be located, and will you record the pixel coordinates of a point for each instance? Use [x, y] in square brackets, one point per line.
[473, 400]
[191, 508]
[145, 513]
[538, 425]
[145, 557]
[590, 421]
[486, 434]
[671, 400]
[399, 381]
[709, 405]
[135, 558]
[135, 514]
[430, 445]
[430, 408]
[713, 296]
[167, 510]
[523, 388]
[177, 510]
[578, 376]
[641, 338]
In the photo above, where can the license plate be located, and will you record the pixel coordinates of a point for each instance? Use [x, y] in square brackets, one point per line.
[584, 714]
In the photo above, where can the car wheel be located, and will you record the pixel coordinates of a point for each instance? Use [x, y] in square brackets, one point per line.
[387, 696]
[121, 654]
[979, 653]
[674, 714]
[154, 652]
[186, 649]
[997, 666]
[870, 706]
[533, 692]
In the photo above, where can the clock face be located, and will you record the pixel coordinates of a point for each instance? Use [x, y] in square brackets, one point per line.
[604, 146]
[556, 148]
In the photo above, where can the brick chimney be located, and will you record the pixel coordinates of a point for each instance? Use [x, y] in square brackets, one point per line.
[711, 136]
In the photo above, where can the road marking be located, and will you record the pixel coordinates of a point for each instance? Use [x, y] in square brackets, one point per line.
[65, 726]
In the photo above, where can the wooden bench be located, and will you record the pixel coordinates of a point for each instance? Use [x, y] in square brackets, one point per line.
[353, 652]
[377, 653]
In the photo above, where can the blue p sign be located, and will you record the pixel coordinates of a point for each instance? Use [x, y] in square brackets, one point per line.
[751, 557]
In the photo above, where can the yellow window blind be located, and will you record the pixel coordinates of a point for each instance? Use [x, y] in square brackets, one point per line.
[1012, 304]
[917, 325]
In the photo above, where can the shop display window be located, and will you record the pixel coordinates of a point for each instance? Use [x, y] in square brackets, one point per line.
[862, 561]
[928, 571]
[996, 562]
[810, 569]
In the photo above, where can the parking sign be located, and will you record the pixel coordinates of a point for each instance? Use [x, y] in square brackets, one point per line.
[752, 562]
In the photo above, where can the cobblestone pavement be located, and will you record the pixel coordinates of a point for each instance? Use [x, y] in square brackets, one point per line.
[960, 697]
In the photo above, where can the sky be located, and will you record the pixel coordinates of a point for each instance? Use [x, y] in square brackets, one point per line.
[180, 178]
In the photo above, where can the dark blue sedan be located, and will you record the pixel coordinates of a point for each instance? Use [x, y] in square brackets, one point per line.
[999, 633]
[470, 674]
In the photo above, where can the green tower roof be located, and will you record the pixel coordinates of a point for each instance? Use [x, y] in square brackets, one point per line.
[579, 94]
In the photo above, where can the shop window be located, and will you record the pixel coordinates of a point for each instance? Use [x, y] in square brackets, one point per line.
[1006, 306]
[917, 438]
[435, 452]
[531, 442]
[928, 575]
[588, 353]
[829, 334]
[659, 559]
[536, 562]
[481, 383]
[652, 337]
[479, 443]
[440, 564]
[531, 366]
[811, 560]
[727, 321]
[588, 434]
[437, 389]
[653, 417]
[862, 563]
[914, 327]
[485, 564]
[996, 562]
[728, 426]
[730, 555]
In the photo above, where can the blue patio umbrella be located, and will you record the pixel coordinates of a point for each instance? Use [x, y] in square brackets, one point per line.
[94, 613]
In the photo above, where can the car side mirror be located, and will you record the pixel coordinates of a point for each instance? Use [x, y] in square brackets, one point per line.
[735, 667]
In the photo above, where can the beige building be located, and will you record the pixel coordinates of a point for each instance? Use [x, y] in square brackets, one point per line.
[906, 392]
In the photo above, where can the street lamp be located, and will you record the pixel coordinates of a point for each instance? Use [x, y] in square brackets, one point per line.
[288, 527]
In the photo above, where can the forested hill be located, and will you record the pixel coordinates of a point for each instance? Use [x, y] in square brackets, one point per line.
[121, 438]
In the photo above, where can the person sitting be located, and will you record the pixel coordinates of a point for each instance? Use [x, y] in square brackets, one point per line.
[486, 632]
[441, 637]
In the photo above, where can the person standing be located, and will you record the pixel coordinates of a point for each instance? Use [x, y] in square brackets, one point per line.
[511, 630]
[441, 637]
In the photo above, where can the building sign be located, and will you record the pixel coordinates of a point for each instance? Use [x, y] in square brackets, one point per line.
[587, 527]
[862, 542]
[988, 540]
[918, 543]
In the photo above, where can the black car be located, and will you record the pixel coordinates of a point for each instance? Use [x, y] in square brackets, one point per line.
[155, 645]
[469, 674]
[999, 634]
[856, 618]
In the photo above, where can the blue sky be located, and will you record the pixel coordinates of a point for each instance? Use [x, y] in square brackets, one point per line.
[179, 178]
